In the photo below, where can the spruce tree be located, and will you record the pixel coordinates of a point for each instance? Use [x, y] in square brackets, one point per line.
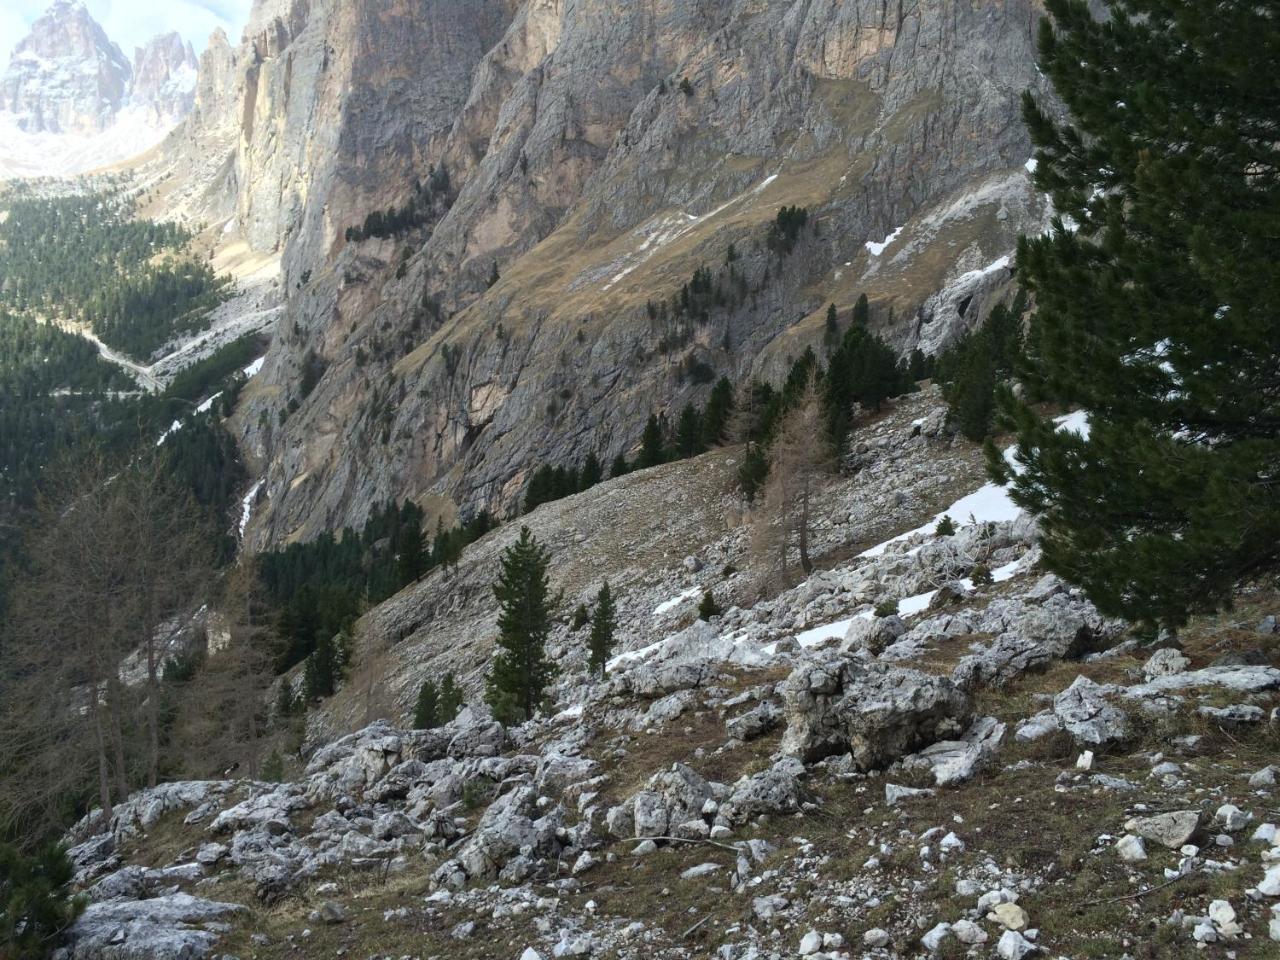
[861, 311]
[715, 420]
[831, 330]
[689, 432]
[753, 470]
[36, 901]
[521, 670]
[603, 624]
[451, 699]
[320, 677]
[1157, 292]
[652, 449]
[592, 472]
[426, 713]
[619, 467]
[707, 606]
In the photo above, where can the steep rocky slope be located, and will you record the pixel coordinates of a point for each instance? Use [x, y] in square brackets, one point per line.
[993, 771]
[598, 153]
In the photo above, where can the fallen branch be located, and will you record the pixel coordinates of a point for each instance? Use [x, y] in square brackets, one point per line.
[1139, 895]
[685, 935]
[713, 843]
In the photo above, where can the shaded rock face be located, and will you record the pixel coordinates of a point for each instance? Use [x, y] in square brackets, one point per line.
[597, 154]
[66, 76]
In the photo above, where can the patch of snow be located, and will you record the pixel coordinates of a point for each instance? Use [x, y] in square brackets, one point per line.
[1007, 572]
[208, 404]
[44, 154]
[669, 605]
[1031, 165]
[253, 369]
[875, 249]
[671, 228]
[990, 503]
[910, 606]
[246, 507]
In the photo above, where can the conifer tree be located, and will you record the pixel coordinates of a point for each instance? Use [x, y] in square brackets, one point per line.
[286, 701]
[36, 901]
[619, 467]
[592, 472]
[689, 433]
[652, 449]
[752, 471]
[715, 420]
[426, 713]
[320, 676]
[450, 698]
[831, 331]
[861, 311]
[521, 670]
[707, 606]
[1157, 293]
[603, 624]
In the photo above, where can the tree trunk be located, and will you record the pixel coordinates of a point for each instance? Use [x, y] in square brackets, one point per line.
[104, 778]
[117, 736]
[805, 563]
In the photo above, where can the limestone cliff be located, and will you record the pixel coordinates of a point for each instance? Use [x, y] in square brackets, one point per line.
[598, 152]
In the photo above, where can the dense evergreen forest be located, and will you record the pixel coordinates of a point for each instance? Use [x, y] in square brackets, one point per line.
[83, 258]
[320, 587]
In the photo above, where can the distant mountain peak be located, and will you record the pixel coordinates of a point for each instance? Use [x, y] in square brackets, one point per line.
[67, 78]
[66, 75]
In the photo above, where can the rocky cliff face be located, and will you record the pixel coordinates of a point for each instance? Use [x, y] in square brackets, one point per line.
[66, 75]
[598, 153]
[164, 78]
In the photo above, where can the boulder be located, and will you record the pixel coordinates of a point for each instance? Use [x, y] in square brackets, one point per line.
[1165, 663]
[955, 761]
[1238, 679]
[873, 635]
[507, 829]
[776, 790]
[1084, 711]
[170, 927]
[876, 712]
[1173, 830]
[756, 722]
[1030, 636]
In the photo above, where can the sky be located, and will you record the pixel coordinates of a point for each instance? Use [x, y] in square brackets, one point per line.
[132, 23]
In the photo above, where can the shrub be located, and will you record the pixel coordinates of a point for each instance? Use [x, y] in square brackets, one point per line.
[887, 608]
[36, 904]
[708, 608]
[946, 527]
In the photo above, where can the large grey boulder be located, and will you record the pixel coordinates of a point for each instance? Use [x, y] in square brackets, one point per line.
[174, 927]
[955, 761]
[1165, 663]
[756, 722]
[510, 828]
[775, 790]
[1084, 711]
[1173, 830]
[875, 712]
[872, 635]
